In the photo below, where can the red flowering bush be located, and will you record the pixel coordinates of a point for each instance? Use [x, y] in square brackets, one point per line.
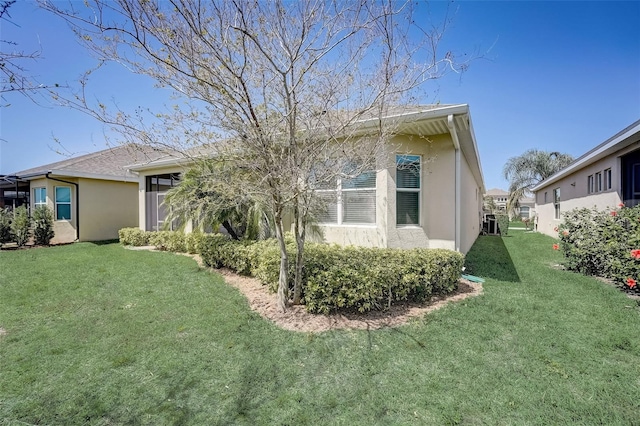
[603, 243]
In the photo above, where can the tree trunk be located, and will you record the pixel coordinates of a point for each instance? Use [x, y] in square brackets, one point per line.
[300, 231]
[283, 280]
[226, 225]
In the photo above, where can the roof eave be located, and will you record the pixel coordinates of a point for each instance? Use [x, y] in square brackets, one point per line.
[74, 174]
[614, 144]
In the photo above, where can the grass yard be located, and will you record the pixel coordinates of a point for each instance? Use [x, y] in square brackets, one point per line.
[96, 334]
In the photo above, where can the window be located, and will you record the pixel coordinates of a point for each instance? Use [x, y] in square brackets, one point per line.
[359, 199]
[607, 179]
[556, 202]
[408, 189]
[599, 182]
[546, 199]
[590, 184]
[350, 201]
[63, 203]
[39, 197]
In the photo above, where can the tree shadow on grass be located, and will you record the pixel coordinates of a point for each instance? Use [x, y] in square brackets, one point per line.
[489, 258]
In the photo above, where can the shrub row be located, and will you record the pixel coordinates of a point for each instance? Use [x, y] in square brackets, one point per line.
[602, 243]
[337, 277]
[334, 277]
[162, 240]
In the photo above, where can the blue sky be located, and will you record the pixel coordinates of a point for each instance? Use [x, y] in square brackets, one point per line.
[560, 76]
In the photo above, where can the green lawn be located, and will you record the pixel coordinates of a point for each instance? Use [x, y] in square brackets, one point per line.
[96, 334]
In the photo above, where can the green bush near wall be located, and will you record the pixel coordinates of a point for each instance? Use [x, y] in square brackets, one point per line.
[334, 277]
[503, 224]
[134, 237]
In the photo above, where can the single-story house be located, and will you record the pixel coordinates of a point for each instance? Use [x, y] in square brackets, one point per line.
[604, 177]
[526, 205]
[92, 196]
[432, 197]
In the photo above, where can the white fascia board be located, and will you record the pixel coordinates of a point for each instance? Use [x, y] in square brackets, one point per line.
[591, 157]
[97, 176]
[415, 116]
[477, 153]
[160, 164]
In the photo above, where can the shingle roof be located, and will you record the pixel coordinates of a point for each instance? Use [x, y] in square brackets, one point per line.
[109, 162]
[496, 191]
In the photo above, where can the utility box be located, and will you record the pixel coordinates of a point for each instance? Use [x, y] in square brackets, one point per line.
[491, 225]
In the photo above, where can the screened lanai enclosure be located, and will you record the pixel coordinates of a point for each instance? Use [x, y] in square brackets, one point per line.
[155, 191]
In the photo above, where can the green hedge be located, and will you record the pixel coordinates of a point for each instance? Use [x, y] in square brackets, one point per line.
[334, 277]
[134, 237]
[337, 277]
[503, 224]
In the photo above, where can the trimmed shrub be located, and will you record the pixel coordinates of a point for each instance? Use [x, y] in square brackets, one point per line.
[169, 241]
[503, 224]
[210, 249]
[370, 278]
[192, 242]
[21, 226]
[337, 277]
[133, 237]
[603, 243]
[42, 225]
[5, 225]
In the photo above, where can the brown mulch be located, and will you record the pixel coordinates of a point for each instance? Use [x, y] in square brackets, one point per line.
[296, 318]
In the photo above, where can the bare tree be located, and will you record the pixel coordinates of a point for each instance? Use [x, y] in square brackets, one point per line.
[286, 96]
[14, 77]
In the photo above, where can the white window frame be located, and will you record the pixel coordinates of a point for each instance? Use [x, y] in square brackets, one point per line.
[556, 203]
[57, 203]
[340, 199]
[590, 185]
[598, 181]
[411, 190]
[43, 202]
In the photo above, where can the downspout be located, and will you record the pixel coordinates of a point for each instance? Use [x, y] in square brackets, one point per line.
[456, 144]
[77, 202]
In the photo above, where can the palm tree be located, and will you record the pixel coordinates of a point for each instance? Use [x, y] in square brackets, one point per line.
[529, 169]
[201, 198]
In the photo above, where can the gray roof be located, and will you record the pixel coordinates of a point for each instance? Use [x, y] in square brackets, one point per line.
[496, 192]
[110, 163]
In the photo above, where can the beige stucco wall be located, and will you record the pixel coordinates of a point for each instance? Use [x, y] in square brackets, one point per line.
[106, 207]
[437, 220]
[64, 230]
[471, 207]
[574, 193]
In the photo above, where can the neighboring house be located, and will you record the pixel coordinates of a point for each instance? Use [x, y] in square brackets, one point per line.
[92, 196]
[605, 176]
[430, 197]
[526, 205]
[500, 198]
